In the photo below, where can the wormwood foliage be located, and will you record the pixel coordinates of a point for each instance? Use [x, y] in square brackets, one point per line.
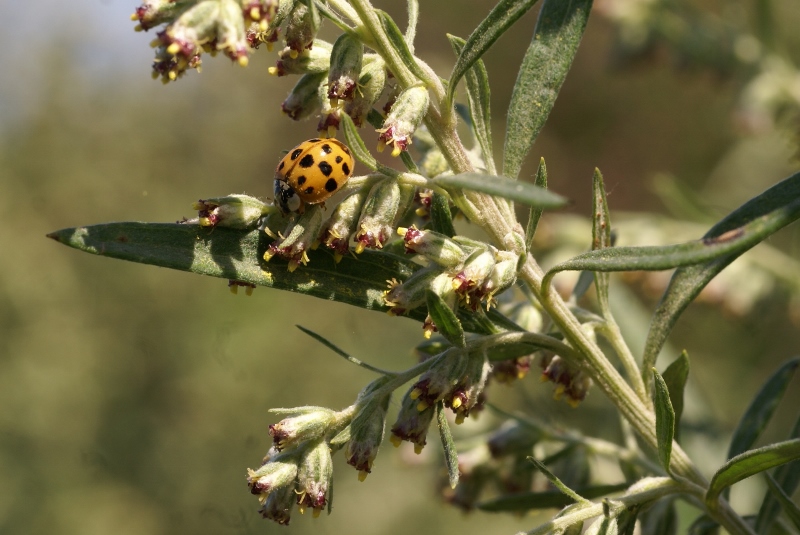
[387, 242]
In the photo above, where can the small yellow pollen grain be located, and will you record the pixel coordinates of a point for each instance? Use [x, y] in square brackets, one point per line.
[199, 69]
[154, 75]
[381, 146]
[456, 402]
[292, 266]
[273, 71]
[138, 28]
[165, 80]
[234, 288]
[334, 102]
[270, 46]
[360, 247]
[316, 512]
[395, 440]
[401, 231]
[416, 393]
[391, 313]
[427, 334]
[134, 16]
[263, 25]
[302, 509]
[422, 406]
[293, 54]
[396, 151]
[213, 53]
[418, 448]
[174, 48]
[337, 257]
[243, 61]
[205, 222]
[268, 256]
[255, 13]
[362, 475]
[173, 75]
[460, 419]
[248, 291]
[573, 402]
[207, 47]
[155, 42]
[422, 212]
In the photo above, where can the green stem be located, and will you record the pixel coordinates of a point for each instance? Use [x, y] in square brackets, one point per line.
[611, 332]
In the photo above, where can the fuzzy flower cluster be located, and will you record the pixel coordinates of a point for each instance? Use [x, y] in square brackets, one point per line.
[461, 271]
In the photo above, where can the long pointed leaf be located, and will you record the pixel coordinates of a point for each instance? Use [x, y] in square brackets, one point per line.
[535, 213]
[479, 96]
[513, 190]
[500, 19]
[601, 236]
[665, 421]
[750, 463]
[449, 447]
[445, 319]
[780, 202]
[555, 42]
[675, 377]
[237, 255]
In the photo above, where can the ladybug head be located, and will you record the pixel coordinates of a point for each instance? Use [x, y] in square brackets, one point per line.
[286, 197]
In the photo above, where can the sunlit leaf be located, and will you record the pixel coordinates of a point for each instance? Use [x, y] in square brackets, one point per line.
[400, 45]
[500, 19]
[445, 319]
[449, 447]
[750, 463]
[665, 421]
[513, 190]
[770, 211]
[555, 42]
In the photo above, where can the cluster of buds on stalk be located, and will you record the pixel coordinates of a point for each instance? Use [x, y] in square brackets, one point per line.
[300, 236]
[461, 271]
[233, 211]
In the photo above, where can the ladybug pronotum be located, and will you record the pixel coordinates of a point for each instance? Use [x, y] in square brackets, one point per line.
[311, 172]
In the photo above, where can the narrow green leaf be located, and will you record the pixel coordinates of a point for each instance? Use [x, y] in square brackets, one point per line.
[626, 521]
[585, 280]
[758, 414]
[356, 144]
[601, 236]
[445, 319]
[536, 213]
[776, 207]
[513, 190]
[528, 501]
[750, 463]
[500, 19]
[330, 345]
[413, 17]
[479, 97]
[657, 258]
[449, 447]
[789, 507]
[665, 421]
[675, 376]
[441, 217]
[544, 68]
[557, 483]
[238, 255]
[398, 41]
[788, 477]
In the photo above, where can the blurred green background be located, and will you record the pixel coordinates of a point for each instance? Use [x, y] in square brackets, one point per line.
[132, 399]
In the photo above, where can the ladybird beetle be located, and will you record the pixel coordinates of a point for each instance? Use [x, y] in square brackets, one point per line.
[311, 172]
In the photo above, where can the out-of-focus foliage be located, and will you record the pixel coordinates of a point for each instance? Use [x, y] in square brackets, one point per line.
[132, 398]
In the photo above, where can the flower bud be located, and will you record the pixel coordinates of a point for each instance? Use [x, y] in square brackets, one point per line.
[371, 82]
[502, 276]
[316, 60]
[508, 371]
[338, 228]
[233, 211]
[260, 12]
[154, 12]
[346, 58]
[569, 379]
[378, 215]
[278, 505]
[304, 100]
[438, 382]
[435, 247]
[405, 116]
[366, 434]
[231, 36]
[301, 29]
[314, 478]
[412, 424]
[301, 237]
[443, 287]
[434, 164]
[270, 476]
[467, 395]
[310, 424]
[467, 283]
[408, 295]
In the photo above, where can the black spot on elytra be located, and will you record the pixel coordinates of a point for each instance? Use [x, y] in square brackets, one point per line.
[280, 167]
[346, 150]
[307, 161]
[326, 148]
[345, 168]
[325, 167]
[315, 140]
[296, 153]
[331, 185]
[309, 190]
[338, 159]
[301, 180]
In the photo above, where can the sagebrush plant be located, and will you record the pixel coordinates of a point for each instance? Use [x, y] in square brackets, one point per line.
[489, 311]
